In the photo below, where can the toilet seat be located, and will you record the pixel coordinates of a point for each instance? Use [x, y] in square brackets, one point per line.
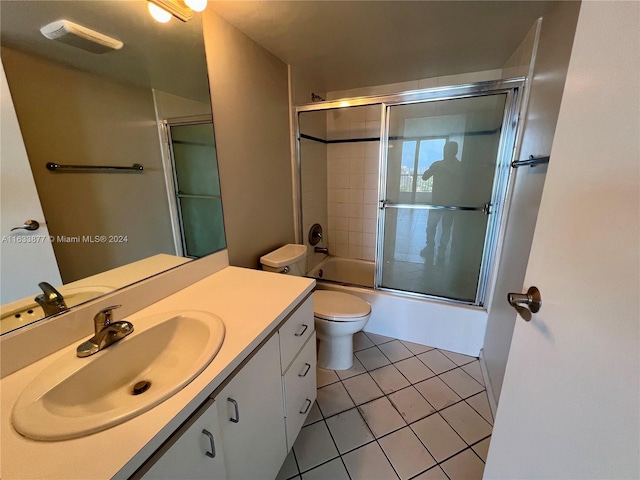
[339, 307]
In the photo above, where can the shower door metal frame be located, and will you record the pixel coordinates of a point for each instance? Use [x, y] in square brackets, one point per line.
[512, 87]
[171, 177]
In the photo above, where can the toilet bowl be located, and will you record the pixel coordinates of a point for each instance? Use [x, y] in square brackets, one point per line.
[337, 315]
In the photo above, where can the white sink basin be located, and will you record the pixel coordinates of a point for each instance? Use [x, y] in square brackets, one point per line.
[25, 311]
[74, 397]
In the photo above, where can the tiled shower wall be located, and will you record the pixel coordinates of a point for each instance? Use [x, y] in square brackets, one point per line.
[352, 181]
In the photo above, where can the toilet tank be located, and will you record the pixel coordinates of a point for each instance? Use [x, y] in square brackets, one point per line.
[291, 259]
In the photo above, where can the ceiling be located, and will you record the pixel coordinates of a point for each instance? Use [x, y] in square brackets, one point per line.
[350, 44]
[338, 44]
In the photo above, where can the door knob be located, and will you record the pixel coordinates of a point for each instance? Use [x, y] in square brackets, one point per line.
[526, 303]
[30, 225]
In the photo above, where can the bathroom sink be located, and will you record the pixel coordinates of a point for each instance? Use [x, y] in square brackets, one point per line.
[23, 312]
[74, 397]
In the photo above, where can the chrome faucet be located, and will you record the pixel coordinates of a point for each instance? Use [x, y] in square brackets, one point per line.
[51, 300]
[106, 332]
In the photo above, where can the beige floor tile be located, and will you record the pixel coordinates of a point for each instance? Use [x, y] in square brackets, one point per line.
[436, 392]
[389, 379]
[314, 446]
[480, 403]
[461, 382]
[440, 439]
[416, 348]
[482, 448]
[411, 405]
[326, 377]
[464, 466]
[436, 361]
[466, 422]
[362, 388]
[381, 417]
[333, 470]
[414, 370]
[349, 430]
[475, 371]
[372, 358]
[395, 351]
[334, 399]
[458, 358]
[369, 463]
[406, 453]
[435, 473]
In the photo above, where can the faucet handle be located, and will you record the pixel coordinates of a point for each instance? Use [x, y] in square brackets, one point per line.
[104, 317]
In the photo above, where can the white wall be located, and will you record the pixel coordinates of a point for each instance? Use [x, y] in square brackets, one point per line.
[250, 100]
[546, 86]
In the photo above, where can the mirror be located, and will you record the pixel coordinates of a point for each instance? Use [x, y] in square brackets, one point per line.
[146, 103]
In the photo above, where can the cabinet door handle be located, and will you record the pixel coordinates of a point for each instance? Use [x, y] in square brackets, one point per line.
[236, 410]
[212, 453]
[304, 329]
[307, 405]
[306, 369]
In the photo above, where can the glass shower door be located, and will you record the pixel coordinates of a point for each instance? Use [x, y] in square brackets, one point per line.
[442, 179]
[197, 187]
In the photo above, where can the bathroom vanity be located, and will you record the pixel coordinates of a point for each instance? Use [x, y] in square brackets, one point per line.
[237, 419]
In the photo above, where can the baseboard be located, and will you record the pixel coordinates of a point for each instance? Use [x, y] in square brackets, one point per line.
[487, 382]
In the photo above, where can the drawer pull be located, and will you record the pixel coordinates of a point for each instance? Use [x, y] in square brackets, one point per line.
[236, 410]
[307, 405]
[212, 453]
[304, 329]
[306, 368]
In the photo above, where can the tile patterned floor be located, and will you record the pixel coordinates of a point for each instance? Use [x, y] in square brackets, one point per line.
[403, 411]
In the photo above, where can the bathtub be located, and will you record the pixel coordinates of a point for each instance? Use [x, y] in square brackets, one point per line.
[458, 328]
[344, 270]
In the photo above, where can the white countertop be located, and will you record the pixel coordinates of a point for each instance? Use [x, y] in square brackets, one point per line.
[251, 304]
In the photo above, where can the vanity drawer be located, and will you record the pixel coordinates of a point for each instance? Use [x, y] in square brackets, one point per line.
[295, 332]
[300, 389]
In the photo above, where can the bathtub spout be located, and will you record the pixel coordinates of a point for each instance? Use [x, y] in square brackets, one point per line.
[324, 250]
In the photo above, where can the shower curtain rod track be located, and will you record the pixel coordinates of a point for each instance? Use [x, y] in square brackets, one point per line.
[398, 137]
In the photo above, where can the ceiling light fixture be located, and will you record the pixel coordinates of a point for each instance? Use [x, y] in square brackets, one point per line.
[196, 5]
[159, 14]
[181, 9]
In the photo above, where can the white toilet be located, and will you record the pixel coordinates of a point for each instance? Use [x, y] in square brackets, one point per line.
[337, 315]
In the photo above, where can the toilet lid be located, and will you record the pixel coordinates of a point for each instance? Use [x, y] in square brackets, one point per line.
[337, 306]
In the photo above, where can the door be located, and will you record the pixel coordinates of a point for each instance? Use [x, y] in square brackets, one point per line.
[197, 454]
[446, 168]
[569, 403]
[27, 256]
[250, 409]
[197, 186]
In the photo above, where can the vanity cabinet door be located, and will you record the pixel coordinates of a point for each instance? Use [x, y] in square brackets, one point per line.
[250, 410]
[197, 454]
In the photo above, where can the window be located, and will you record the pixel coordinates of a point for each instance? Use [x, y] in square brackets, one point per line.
[417, 156]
